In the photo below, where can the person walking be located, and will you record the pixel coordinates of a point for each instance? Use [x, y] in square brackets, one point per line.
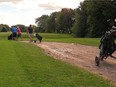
[14, 32]
[30, 32]
[19, 33]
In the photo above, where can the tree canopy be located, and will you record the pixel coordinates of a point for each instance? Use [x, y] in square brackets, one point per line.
[4, 28]
[91, 19]
[94, 18]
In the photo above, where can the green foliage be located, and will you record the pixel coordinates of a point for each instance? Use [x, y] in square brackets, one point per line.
[64, 21]
[41, 22]
[91, 19]
[57, 22]
[80, 27]
[51, 23]
[22, 27]
[94, 18]
[4, 28]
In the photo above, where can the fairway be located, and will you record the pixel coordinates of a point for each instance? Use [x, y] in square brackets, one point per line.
[54, 43]
[26, 65]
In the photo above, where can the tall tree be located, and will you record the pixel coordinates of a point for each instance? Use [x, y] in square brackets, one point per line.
[98, 15]
[51, 23]
[41, 22]
[4, 27]
[80, 27]
[94, 18]
[64, 20]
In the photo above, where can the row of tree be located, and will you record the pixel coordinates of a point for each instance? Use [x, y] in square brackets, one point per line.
[94, 18]
[58, 22]
[5, 28]
[91, 19]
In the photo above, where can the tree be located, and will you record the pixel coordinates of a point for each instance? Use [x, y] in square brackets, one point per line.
[4, 28]
[80, 27]
[58, 22]
[64, 20]
[41, 22]
[94, 18]
[51, 23]
[98, 15]
[22, 27]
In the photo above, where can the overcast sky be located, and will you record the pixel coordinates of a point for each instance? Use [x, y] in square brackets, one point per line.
[25, 11]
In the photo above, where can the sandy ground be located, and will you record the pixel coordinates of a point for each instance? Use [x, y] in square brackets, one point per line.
[81, 56]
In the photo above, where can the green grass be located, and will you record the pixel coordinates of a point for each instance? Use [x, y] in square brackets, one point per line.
[3, 35]
[26, 65]
[84, 41]
[66, 38]
[52, 37]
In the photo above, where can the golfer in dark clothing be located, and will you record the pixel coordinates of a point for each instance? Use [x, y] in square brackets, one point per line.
[30, 32]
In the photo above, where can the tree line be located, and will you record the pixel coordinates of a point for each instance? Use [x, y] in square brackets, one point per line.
[6, 28]
[91, 19]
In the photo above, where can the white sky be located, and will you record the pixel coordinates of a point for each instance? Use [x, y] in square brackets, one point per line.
[25, 11]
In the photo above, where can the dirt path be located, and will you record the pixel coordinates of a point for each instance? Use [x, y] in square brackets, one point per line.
[82, 56]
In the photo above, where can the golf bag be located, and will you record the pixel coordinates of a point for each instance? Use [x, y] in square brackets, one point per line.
[38, 37]
[10, 37]
[107, 46]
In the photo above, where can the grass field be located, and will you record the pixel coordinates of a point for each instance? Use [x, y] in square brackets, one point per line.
[26, 65]
[51, 37]
[69, 39]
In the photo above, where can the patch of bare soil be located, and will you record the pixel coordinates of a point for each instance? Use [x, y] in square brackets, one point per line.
[82, 56]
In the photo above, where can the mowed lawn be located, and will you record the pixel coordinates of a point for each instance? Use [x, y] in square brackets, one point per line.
[26, 65]
[53, 37]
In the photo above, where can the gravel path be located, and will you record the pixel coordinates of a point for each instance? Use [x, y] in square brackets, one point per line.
[82, 56]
